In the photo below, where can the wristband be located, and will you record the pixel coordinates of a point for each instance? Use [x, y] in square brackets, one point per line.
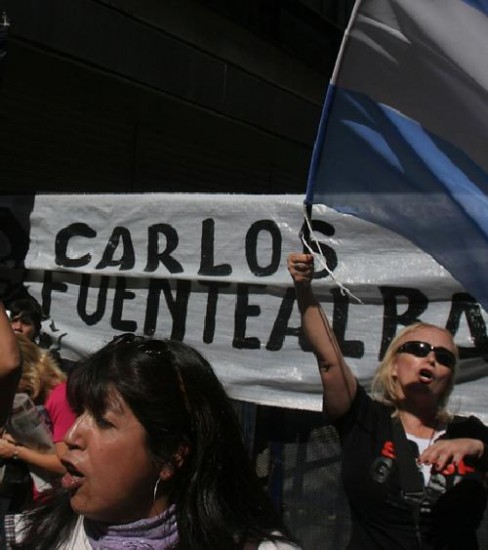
[15, 456]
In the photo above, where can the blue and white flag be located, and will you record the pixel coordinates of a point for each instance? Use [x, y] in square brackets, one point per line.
[403, 140]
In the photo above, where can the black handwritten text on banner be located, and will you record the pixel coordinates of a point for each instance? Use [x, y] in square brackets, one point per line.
[211, 270]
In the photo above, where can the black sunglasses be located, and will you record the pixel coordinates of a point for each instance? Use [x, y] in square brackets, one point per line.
[422, 349]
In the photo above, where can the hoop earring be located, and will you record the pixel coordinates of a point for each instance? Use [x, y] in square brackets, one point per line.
[156, 487]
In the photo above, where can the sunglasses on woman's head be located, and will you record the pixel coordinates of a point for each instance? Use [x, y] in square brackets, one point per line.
[154, 349]
[421, 349]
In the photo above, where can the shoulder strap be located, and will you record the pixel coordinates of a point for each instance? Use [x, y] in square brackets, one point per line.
[411, 481]
[410, 476]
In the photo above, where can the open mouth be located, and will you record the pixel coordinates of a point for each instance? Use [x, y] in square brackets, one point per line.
[73, 478]
[426, 376]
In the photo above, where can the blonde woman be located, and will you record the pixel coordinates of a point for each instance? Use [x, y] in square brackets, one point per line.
[405, 426]
[40, 374]
[45, 384]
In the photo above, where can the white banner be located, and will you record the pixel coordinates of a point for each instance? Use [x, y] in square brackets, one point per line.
[211, 270]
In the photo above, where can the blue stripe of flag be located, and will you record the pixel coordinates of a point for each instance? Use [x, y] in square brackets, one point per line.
[481, 5]
[385, 168]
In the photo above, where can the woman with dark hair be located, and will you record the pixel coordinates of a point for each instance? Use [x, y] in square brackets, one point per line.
[413, 473]
[155, 459]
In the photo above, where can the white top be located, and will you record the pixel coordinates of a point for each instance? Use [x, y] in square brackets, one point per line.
[422, 444]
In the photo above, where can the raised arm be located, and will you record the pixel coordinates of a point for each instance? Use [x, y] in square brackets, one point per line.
[338, 381]
[10, 365]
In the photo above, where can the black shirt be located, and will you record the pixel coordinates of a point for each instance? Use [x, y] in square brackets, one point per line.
[455, 498]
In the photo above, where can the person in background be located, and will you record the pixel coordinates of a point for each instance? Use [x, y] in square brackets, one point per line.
[10, 372]
[25, 317]
[10, 365]
[405, 426]
[44, 382]
[155, 460]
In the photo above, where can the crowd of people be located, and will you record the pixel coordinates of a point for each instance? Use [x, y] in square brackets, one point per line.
[146, 450]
